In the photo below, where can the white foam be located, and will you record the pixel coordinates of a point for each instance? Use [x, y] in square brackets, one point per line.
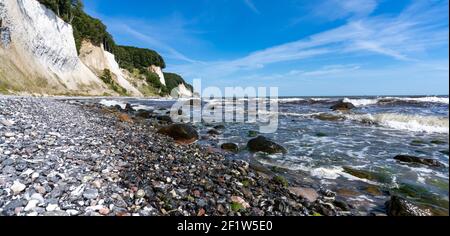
[112, 103]
[415, 123]
[361, 102]
[427, 99]
[327, 173]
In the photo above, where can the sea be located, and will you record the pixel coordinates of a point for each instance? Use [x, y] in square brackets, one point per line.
[351, 153]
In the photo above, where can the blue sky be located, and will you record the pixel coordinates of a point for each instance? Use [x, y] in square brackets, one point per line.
[306, 48]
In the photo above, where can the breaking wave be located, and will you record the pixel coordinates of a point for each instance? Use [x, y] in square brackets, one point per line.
[415, 123]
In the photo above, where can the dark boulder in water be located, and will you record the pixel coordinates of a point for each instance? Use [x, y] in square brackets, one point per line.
[181, 133]
[144, 114]
[418, 160]
[328, 117]
[213, 132]
[343, 106]
[263, 144]
[373, 176]
[398, 206]
[231, 147]
[164, 118]
[128, 108]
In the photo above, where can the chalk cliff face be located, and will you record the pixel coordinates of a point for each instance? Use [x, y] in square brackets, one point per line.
[181, 91]
[159, 72]
[38, 55]
[97, 59]
[37, 45]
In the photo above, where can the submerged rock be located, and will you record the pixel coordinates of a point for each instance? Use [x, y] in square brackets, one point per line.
[398, 206]
[418, 160]
[213, 132]
[328, 117]
[232, 147]
[343, 106]
[364, 174]
[263, 144]
[181, 133]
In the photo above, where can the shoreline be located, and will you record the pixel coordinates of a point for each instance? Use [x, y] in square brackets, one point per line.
[68, 157]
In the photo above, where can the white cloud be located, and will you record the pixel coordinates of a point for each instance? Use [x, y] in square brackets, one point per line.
[338, 9]
[417, 29]
[152, 42]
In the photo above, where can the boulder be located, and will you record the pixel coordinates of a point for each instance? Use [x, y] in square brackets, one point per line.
[343, 106]
[398, 206]
[418, 160]
[128, 108]
[307, 193]
[164, 118]
[328, 117]
[181, 133]
[144, 114]
[213, 132]
[263, 144]
[231, 147]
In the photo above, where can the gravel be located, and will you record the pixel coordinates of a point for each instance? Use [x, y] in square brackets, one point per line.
[61, 157]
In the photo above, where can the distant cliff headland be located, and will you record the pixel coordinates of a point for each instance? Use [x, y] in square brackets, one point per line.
[52, 47]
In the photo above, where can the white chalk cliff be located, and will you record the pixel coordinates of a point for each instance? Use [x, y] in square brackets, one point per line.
[97, 59]
[157, 70]
[38, 55]
[181, 91]
[37, 44]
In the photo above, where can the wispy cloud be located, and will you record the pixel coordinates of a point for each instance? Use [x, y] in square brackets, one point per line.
[252, 6]
[156, 35]
[334, 70]
[338, 9]
[331, 10]
[152, 42]
[418, 28]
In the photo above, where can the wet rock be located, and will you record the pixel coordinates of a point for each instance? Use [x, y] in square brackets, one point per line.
[373, 176]
[144, 114]
[398, 206]
[181, 133]
[328, 117]
[128, 108]
[231, 147]
[213, 132]
[252, 134]
[262, 144]
[418, 160]
[342, 106]
[164, 118]
[307, 193]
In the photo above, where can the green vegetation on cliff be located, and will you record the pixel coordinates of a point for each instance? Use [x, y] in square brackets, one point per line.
[131, 58]
[173, 80]
[108, 80]
[140, 58]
